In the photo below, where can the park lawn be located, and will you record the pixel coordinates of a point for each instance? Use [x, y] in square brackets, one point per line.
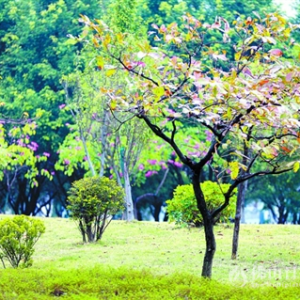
[157, 261]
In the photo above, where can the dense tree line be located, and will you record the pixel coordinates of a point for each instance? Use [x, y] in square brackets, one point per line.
[37, 58]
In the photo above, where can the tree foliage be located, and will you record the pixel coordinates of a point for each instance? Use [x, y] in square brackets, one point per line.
[253, 102]
[18, 236]
[281, 200]
[182, 209]
[92, 202]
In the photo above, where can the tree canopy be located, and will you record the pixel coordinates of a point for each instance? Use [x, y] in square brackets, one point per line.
[251, 104]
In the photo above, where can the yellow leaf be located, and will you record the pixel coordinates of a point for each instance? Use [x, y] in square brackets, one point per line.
[107, 40]
[234, 168]
[110, 72]
[100, 62]
[296, 166]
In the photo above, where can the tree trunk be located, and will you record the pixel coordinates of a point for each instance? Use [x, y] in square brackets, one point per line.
[210, 248]
[157, 209]
[237, 220]
[89, 232]
[128, 195]
[208, 227]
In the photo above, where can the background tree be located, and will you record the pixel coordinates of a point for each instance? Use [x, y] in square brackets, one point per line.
[34, 55]
[282, 201]
[93, 201]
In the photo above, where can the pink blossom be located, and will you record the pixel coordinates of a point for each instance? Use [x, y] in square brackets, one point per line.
[152, 162]
[150, 173]
[209, 135]
[46, 154]
[66, 161]
[141, 167]
[20, 143]
[35, 145]
[178, 164]
[52, 173]
[62, 106]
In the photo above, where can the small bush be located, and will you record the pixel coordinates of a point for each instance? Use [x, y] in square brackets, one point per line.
[183, 210]
[18, 235]
[92, 202]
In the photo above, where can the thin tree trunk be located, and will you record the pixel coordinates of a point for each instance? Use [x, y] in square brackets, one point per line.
[237, 220]
[128, 195]
[208, 223]
[210, 248]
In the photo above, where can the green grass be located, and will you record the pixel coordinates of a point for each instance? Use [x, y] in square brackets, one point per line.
[145, 260]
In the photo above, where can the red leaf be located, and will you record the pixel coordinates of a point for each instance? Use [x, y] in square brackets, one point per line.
[276, 52]
[285, 149]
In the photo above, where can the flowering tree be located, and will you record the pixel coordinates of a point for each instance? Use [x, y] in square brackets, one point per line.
[248, 101]
[19, 164]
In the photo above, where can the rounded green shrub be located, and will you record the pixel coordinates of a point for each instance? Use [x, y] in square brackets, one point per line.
[182, 209]
[92, 203]
[18, 235]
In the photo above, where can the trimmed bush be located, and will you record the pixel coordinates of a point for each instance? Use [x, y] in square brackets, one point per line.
[182, 209]
[18, 235]
[92, 202]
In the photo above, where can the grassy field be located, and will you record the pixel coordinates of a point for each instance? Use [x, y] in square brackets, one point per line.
[157, 261]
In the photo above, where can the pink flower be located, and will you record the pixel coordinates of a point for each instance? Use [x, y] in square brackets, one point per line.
[141, 167]
[209, 135]
[46, 154]
[66, 161]
[150, 173]
[62, 106]
[152, 162]
[178, 164]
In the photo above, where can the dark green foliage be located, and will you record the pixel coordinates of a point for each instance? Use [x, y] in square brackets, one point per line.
[183, 210]
[281, 200]
[18, 235]
[92, 202]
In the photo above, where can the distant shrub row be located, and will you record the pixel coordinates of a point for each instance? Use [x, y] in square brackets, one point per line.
[92, 202]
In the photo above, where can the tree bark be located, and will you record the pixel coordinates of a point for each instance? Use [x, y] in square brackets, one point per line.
[237, 220]
[208, 223]
[210, 248]
[128, 195]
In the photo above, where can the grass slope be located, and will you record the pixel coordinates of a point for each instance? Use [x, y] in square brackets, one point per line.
[157, 261]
